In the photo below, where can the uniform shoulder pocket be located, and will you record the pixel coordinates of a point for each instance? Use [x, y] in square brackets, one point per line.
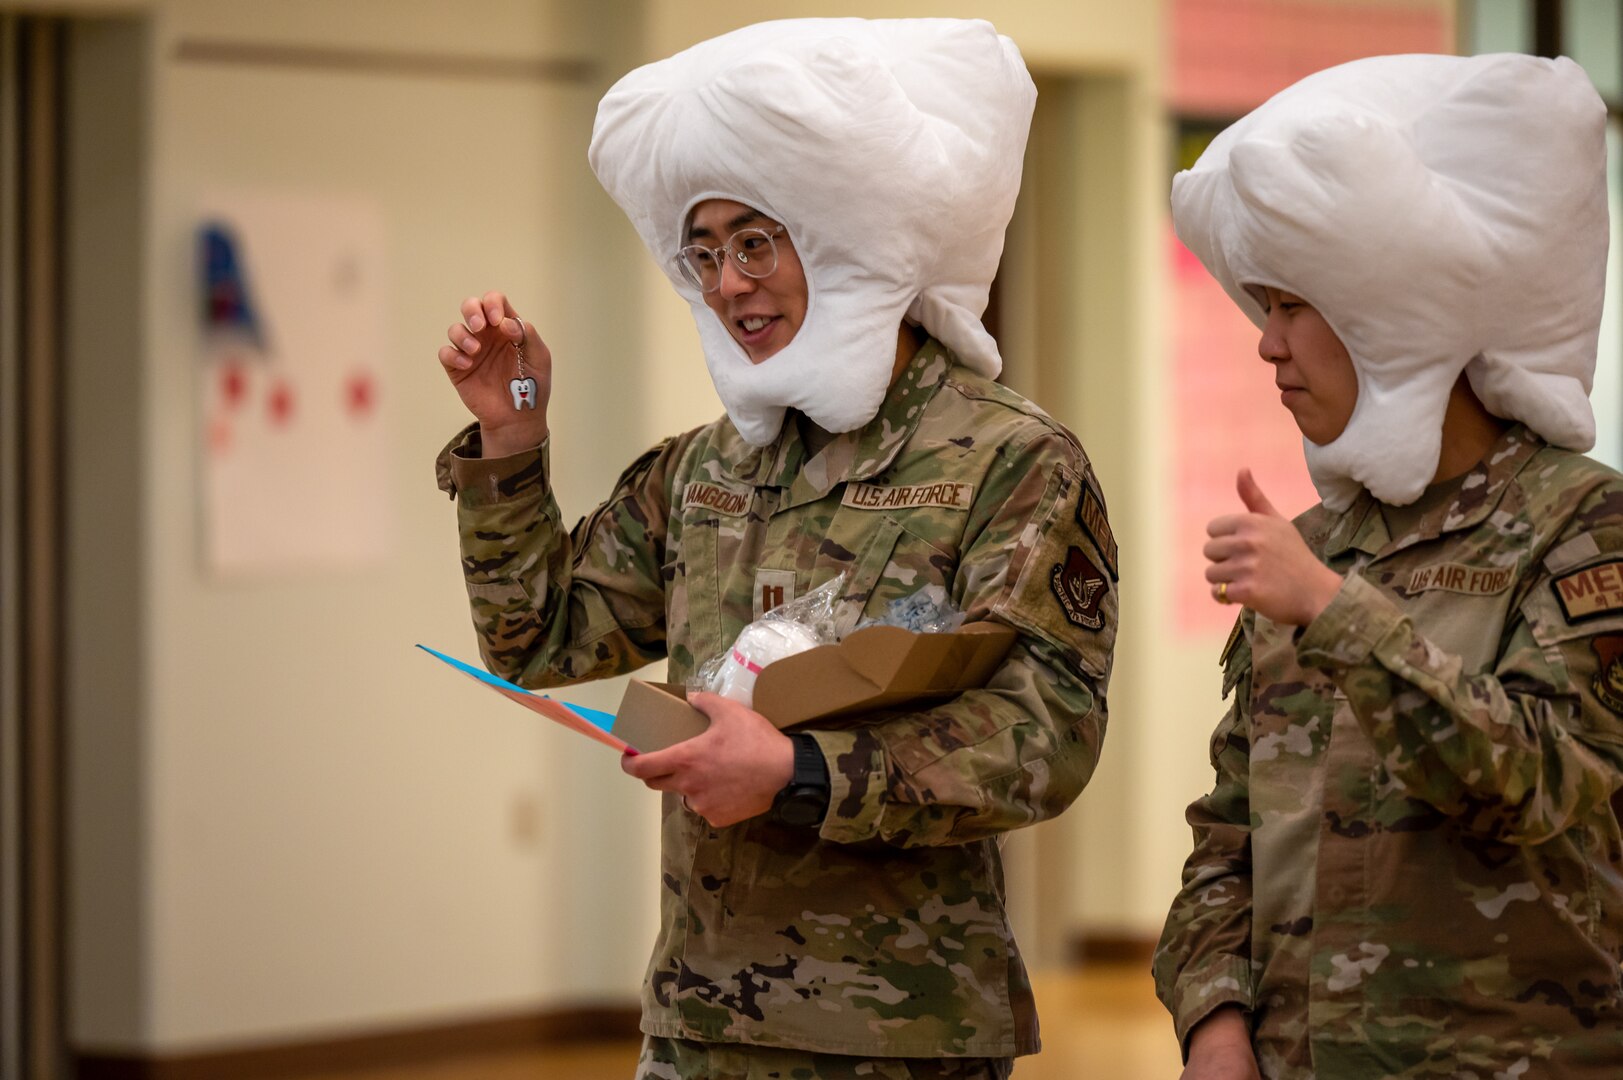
[1583, 595]
[1576, 619]
[625, 487]
[1063, 590]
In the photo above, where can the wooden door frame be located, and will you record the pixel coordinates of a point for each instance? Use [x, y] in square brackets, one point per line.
[32, 919]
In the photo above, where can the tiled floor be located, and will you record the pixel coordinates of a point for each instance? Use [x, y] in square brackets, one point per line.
[1104, 1024]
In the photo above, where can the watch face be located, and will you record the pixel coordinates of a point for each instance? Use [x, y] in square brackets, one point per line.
[803, 807]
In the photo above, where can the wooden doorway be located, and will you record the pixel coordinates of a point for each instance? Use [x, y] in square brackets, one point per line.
[32, 111]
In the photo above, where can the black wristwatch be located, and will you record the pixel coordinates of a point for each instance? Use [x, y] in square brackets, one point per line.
[803, 802]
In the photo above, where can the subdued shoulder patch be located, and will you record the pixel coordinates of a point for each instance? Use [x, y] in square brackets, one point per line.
[1591, 592]
[1608, 684]
[1054, 588]
[1090, 514]
[1080, 589]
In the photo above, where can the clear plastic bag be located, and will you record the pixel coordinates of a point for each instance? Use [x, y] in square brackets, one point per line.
[803, 623]
[927, 611]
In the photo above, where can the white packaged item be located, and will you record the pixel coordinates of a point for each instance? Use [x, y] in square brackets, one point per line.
[803, 623]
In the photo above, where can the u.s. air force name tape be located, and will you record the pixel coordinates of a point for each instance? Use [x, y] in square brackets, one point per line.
[947, 495]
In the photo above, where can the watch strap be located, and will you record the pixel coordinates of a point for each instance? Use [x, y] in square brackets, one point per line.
[803, 801]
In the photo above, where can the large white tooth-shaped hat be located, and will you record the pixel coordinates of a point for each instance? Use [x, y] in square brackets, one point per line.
[891, 149]
[1443, 214]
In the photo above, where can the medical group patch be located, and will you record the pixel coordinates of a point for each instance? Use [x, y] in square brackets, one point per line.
[1608, 684]
[1591, 592]
[1080, 589]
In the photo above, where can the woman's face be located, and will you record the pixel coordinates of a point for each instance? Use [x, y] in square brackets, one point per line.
[762, 314]
[1315, 376]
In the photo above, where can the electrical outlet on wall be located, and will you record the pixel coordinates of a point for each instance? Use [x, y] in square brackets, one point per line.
[524, 820]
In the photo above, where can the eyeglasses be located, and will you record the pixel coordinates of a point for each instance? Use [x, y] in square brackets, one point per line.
[754, 254]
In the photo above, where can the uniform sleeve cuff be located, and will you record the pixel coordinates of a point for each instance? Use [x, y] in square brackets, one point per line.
[1347, 631]
[856, 776]
[1201, 991]
[480, 481]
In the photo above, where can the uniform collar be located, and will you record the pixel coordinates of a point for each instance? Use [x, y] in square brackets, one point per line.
[852, 455]
[1363, 526]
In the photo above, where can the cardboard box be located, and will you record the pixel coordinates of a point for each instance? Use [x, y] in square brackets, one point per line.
[878, 667]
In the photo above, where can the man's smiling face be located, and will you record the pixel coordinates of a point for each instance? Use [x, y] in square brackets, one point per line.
[762, 314]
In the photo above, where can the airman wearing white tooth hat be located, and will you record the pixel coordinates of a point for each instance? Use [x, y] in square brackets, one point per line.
[1418, 779]
[1443, 215]
[830, 197]
[889, 147]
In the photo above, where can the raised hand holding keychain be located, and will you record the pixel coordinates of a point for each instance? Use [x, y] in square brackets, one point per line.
[523, 387]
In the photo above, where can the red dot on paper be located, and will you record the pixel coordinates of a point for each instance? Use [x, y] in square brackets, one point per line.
[233, 382]
[360, 392]
[281, 404]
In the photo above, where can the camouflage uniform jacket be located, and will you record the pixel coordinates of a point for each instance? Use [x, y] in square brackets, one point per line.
[882, 933]
[1410, 865]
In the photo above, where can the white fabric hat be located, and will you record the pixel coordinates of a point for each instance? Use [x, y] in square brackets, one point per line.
[1443, 214]
[891, 149]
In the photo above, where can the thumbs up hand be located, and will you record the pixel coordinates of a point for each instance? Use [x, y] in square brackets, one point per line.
[1259, 559]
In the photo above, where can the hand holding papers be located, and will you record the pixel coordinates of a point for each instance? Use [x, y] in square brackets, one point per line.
[593, 723]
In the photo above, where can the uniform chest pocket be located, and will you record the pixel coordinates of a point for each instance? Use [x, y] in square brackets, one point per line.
[860, 545]
[693, 613]
[1463, 608]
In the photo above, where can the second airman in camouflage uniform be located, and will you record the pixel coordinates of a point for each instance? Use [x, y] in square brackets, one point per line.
[1410, 865]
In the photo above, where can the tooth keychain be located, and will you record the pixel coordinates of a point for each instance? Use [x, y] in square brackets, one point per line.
[523, 387]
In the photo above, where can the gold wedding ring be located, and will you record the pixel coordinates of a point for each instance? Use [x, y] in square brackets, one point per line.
[1223, 592]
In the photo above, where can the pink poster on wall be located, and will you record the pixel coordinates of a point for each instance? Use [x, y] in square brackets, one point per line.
[1229, 56]
[1227, 416]
[1226, 58]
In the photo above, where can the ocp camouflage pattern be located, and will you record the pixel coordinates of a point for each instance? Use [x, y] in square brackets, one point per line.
[677, 1059]
[1410, 865]
[885, 932]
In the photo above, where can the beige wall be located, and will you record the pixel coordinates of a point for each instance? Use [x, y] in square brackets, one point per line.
[307, 827]
[286, 822]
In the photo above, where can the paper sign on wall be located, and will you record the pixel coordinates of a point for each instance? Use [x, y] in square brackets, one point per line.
[294, 454]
